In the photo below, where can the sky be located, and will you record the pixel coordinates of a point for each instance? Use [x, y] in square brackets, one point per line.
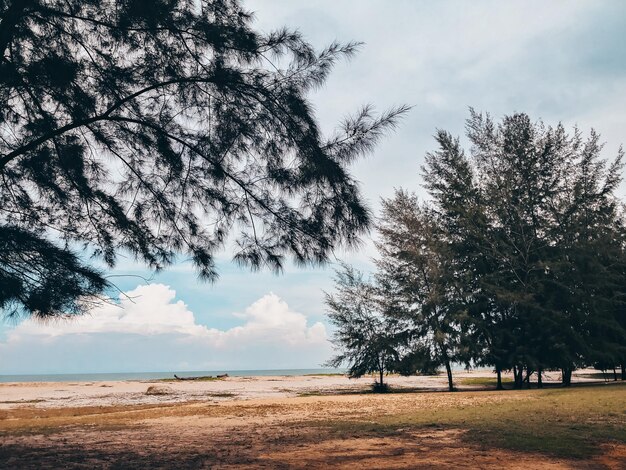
[558, 61]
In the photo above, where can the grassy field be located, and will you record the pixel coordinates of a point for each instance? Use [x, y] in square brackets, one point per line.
[577, 427]
[485, 381]
[570, 422]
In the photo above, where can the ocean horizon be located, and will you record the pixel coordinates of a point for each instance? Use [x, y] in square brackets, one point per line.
[121, 376]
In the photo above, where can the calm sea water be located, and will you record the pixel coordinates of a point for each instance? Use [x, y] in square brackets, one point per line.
[119, 376]
[158, 375]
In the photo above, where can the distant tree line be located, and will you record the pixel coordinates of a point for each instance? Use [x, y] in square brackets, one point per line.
[517, 261]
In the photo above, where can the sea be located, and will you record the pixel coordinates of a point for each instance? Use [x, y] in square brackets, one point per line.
[121, 376]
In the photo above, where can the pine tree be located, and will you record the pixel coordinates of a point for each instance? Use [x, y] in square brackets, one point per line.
[160, 128]
[366, 340]
[533, 220]
[416, 274]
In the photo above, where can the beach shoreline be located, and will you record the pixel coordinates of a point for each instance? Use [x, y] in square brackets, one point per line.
[311, 422]
[137, 392]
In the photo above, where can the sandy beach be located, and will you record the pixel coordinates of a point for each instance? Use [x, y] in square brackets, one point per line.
[307, 422]
[134, 392]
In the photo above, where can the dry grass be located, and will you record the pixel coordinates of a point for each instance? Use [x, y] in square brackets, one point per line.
[571, 422]
[530, 428]
[484, 381]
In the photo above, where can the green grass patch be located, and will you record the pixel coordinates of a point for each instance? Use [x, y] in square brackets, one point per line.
[361, 390]
[569, 423]
[371, 389]
[484, 381]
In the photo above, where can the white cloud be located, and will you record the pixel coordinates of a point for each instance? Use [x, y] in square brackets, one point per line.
[145, 310]
[270, 319]
[149, 329]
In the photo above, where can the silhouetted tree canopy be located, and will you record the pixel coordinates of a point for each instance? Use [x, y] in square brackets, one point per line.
[516, 261]
[418, 277]
[158, 128]
[532, 217]
[366, 340]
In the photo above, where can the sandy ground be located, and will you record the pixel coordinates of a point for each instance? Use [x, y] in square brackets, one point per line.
[73, 394]
[262, 422]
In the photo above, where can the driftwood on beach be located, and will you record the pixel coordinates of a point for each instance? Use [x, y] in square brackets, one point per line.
[202, 377]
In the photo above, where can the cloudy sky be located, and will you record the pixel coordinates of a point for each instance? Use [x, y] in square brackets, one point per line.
[559, 61]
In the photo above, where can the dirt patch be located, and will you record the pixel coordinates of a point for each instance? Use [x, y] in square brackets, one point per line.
[356, 431]
[231, 444]
[613, 456]
[441, 449]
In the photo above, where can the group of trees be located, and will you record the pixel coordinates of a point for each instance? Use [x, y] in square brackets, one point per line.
[517, 260]
[171, 127]
[158, 129]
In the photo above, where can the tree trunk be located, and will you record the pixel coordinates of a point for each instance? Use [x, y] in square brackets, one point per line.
[614, 374]
[518, 376]
[528, 374]
[623, 371]
[499, 380]
[539, 378]
[449, 372]
[381, 377]
[566, 374]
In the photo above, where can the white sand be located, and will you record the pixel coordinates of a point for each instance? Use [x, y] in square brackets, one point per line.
[132, 392]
